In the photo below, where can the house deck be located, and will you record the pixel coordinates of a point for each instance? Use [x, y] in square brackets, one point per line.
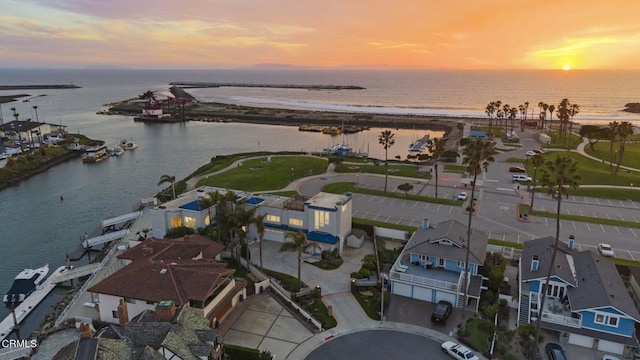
[431, 273]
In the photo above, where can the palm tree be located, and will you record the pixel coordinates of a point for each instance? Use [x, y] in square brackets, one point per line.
[537, 162]
[506, 111]
[613, 133]
[513, 114]
[558, 176]
[386, 140]
[526, 110]
[259, 222]
[216, 198]
[245, 217]
[168, 179]
[35, 108]
[436, 148]
[564, 113]
[298, 244]
[551, 108]
[546, 107]
[624, 130]
[476, 157]
[573, 111]
[489, 110]
[15, 113]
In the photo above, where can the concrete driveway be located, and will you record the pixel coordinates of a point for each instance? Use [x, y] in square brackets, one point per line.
[418, 312]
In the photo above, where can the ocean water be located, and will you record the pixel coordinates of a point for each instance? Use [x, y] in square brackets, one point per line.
[37, 228]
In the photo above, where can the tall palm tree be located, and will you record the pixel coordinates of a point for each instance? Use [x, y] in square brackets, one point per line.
[513, 114]
[436, 149]
[526, 110]
[537, 162]
[476, 157]
[558, 176]
[168, 179]
[259, 222]
[573, 111]
[546, 107]
[246, 217]
[386, 140]
[624, 130]
[35, 108]
[551, 108]
[216, 198]
[297, 244]
[489, 110]
[613, 133]
[15, 113]
[506, 109]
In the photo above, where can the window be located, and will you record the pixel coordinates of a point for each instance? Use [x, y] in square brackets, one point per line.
[190, 222]
[321, 219]
[609, 320]
[599, 319]
[207, 220]
[176, 222]
[441, 262]
[423, 257]
[461, 264]
[130, 300]
[114, 314]
[273, 218]
[613, 321]
[150, 303]
[296, 222]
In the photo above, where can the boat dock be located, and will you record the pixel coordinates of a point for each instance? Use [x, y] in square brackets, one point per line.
[30, 303]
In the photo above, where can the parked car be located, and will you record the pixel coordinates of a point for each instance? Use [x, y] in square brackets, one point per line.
[462, 196]
[605, 249]
[517, 169]
[441, 312]
[457, 351]
[520, 178]
[531, 153]
[555, 352]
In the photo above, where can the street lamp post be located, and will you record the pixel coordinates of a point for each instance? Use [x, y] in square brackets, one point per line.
[454, 191]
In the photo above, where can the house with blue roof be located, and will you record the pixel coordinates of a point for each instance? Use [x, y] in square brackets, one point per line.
[324, 218]
[432, 267]
[587, 303]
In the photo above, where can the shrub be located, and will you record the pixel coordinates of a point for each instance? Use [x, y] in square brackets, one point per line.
[365, 273]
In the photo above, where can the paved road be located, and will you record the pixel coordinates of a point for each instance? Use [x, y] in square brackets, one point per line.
[379, 344]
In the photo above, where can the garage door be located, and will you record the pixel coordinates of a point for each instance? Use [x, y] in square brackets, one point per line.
[581, 340]
[446, 297]
[422, 293]
[610, 347]
[401, 289]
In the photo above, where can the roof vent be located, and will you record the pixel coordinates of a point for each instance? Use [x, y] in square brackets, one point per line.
[163, 271]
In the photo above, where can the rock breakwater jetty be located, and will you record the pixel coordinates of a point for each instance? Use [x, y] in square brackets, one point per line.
[274, 86]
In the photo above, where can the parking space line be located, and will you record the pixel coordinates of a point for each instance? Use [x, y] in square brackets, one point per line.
[608, 217]
[574, 224]
[609, 202]
[393, 201]
[450, 209]
[579, 247]
[620, 216]
[634, 218]
[615, 227]
[621, 204]
[630, 255]
[598, 202]
[634, 233]
[546, 222]
[439, 206]
[581, 214]
[504, 236]
[411, 222]
[567, 210]
[585, 199]
[388, 218]
[415, 204]
[398, 222]
[588, 227]
[426, 207]
[603, 230]
[382, 199]
[375, 217]
[634, 205]
[594, 214]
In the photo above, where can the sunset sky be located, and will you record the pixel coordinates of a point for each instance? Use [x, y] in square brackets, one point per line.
[201, 34]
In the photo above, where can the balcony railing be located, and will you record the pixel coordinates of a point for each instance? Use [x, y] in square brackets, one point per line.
[560, 319]
[419, 280]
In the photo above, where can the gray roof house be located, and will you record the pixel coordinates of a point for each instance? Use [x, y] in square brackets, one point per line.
[432, 264]
[586, 302]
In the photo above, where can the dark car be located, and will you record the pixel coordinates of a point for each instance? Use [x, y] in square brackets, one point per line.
[555, 352]
[517, 169]
[441, 312]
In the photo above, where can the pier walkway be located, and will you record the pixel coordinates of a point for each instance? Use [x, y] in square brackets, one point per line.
[74, 273]
[121, 219]
[24, 308]
[105, 238]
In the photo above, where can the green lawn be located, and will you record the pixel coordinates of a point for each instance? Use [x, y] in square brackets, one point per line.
[630, 157]
[557, 143]
[261, 175]
[454, 168]
[478, 338]
[395, 169]
[343, 187]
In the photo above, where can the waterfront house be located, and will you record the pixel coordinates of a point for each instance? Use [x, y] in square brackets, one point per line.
[184, 272]
[431, 266]
[166, 333]
[587, 303]
[26, 131]
[324, 218]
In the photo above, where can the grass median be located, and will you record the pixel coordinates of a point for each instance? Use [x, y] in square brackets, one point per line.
[343, 187]
[588, 219]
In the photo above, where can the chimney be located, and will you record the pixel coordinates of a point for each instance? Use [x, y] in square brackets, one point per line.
[123, 313]
[534, 263]
[425, 223]
[86, 332]
[165, 311]
[571, 242]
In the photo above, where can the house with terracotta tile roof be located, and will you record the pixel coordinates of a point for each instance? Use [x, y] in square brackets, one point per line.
[181, 271]
[324, 218]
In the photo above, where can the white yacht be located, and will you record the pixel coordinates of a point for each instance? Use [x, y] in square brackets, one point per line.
[24, 284]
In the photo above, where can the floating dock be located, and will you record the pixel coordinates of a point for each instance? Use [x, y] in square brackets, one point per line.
[24, 308]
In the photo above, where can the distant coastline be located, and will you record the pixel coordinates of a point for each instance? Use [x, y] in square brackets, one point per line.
[37, 87]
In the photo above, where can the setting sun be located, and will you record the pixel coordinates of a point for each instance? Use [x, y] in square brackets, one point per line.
[566, 68]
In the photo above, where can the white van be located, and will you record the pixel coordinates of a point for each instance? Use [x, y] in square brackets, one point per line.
[520, 178]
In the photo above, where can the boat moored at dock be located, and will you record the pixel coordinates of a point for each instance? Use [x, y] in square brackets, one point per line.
[95, 153]
[24, 284]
